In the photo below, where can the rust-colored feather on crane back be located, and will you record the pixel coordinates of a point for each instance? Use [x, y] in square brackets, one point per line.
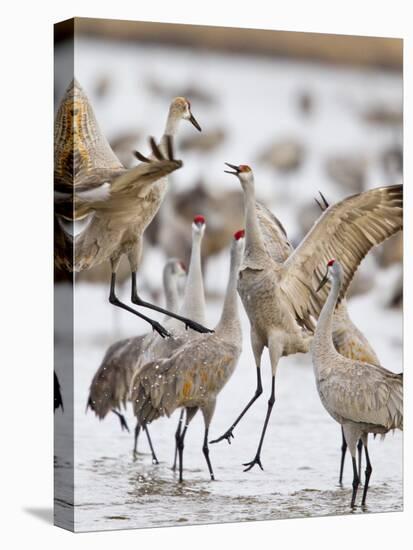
[80, 147]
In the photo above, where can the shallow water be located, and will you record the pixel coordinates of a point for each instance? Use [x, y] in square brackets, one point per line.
[300, 456]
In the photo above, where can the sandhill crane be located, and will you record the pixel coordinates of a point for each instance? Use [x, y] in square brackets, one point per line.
[111, 383]
[347, 338]
[109, 389]
[196, 372]
[279, 296]
[57, 395]
[364, 398]
[193, 306]
[350, 342]
[115, 205]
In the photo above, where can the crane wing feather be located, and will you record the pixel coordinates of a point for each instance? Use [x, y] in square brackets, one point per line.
[192, 373]
[276, 241]
[364, 393]
[121, 187]
[346, 231]
[110, 385]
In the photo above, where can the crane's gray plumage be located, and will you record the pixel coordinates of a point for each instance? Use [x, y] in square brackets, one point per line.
[193, 306]
[364, 394]
[193, 303]
[350, 342]
[279, 296]
[275, 238]
[196, 372]
[346, 230]
[364, 398]
[115, 205]
[185, 379]
[110, 386]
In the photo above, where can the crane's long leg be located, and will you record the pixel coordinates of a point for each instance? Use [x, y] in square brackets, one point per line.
[139, 302]
[154, 457]
[177, 435]
[135, 440]
[135, 444]
[113, 299]
[122, 420]
[343, 456]
[359, 456]
[368, 471]
[190, 413]
[352, 434]
[257, 459]
[181, 451]
[229, 433]
[205, 450]
[356, 482]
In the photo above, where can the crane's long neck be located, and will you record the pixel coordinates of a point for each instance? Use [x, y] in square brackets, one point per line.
[323, 337]
[193, 305]
[171, 128]
[341, 318]
[229, 326]
[254, 243]
[170, 284]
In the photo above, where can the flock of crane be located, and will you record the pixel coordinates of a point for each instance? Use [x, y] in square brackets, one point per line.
[101, 212]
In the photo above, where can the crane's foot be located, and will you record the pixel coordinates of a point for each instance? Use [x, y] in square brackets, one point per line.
[227, 435]
[196, 326]
[155, 461]
[157, 327]
[250, 465]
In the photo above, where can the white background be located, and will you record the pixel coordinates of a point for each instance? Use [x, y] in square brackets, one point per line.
[26, 126]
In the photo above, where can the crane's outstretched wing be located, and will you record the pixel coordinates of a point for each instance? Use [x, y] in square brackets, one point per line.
[150, 170]
[105, 190]
[131, 184]
[349, 340]
[346, 231]
[365, 393]
[275, 237]
[83, 158]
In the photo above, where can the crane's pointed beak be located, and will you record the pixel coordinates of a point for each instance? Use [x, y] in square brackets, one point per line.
[235, 169]
[323, 282]
[194, 121]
